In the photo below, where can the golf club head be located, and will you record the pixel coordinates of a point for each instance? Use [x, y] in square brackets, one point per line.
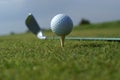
[40, 35]
[33, 26]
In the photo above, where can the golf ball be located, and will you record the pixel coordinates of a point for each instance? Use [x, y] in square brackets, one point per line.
[61, 24]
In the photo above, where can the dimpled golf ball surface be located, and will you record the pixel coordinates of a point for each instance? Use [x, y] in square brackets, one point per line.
[61, 24]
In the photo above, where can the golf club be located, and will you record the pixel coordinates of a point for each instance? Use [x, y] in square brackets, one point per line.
[33, 26]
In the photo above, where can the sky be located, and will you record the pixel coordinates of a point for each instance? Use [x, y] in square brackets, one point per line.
[14, 12]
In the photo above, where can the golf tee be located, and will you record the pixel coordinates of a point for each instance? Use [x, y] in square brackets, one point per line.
[62, 39]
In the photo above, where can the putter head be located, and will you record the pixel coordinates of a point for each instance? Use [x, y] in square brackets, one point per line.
[33, 26]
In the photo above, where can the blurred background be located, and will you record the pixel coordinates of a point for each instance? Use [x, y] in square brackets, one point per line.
[14, 12]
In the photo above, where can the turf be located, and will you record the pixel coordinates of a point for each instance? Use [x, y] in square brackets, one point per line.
[24, 57]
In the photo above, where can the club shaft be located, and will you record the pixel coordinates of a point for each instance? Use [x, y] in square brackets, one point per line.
[87, 39]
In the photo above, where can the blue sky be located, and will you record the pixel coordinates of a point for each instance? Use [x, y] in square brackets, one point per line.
[14, 12]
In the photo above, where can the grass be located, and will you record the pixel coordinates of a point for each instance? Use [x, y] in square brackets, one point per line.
[24, 57]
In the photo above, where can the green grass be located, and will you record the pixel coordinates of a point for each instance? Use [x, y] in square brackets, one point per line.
[24, 57]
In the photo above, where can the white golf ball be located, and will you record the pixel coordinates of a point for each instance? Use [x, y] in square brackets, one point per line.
[61, 24]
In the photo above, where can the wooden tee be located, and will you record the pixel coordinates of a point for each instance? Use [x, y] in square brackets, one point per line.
[62, 39]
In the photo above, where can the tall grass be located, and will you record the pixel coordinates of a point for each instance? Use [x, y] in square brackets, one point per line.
[24, 57]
